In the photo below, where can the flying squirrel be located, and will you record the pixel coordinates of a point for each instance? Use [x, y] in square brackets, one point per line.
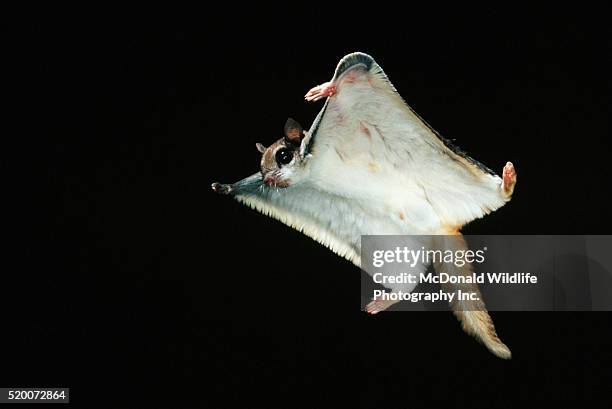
[369, 165]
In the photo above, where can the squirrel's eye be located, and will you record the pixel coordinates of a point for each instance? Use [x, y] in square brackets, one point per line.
[283, 156]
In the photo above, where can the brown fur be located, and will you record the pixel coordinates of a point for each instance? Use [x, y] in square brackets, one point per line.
[268, 158]
[269, 166]
[473, 315]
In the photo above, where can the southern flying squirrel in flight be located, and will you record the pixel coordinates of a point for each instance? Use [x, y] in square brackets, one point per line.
[369, 165]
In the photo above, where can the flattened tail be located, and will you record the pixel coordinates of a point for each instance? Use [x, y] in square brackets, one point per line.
[480, 325]
[476, 321]
[472, 314]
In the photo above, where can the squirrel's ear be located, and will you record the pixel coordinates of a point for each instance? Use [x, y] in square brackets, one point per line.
[293, 131]
[260, 147]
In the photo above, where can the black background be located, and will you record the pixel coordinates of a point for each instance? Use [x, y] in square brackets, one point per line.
[129, 281]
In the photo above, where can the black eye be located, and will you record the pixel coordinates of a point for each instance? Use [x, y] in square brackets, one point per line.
[284, 156]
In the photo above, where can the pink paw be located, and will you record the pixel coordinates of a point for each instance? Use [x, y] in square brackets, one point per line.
[378, 305]
[509, 178]
[320, 91]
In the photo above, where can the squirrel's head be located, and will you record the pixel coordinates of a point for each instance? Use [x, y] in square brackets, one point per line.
[280, 160]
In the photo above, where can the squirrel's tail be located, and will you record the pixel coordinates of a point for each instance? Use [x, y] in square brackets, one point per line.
[472, 314]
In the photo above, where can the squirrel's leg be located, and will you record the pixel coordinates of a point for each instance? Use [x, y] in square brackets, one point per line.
[378, 304]
[320, 91]
[509, 179]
